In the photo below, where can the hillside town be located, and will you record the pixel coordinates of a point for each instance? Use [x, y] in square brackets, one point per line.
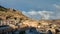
[14, 22]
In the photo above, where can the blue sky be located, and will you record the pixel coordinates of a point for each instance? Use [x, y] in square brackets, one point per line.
[48, 9]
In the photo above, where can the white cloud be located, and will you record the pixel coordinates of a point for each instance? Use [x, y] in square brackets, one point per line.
[57, 6]
[57, 14]
[32, 13]
[43, 14]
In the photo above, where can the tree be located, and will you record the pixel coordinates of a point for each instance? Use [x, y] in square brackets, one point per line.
[56, 31]
[22, 32]
[2, 8]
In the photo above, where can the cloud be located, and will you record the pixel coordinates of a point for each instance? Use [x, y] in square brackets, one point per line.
[57, 6]
[43, 14]
[32, 12]
[57, 13]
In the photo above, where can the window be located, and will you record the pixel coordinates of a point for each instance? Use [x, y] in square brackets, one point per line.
[15, 18]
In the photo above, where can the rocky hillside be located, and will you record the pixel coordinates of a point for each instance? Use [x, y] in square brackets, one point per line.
[14, 17]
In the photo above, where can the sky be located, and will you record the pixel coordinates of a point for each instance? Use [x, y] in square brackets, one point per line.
[36, 9]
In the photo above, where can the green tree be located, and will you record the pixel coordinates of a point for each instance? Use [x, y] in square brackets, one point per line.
[22, 32]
